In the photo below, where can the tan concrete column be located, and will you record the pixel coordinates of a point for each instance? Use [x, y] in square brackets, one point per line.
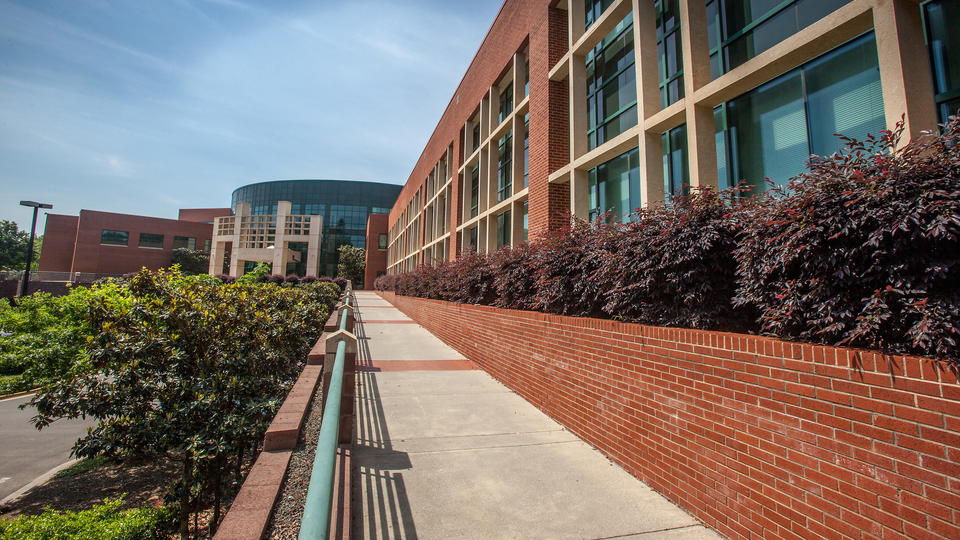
[701, 140]
[579, 120]
[651, 169]
[904, 67]
[236, 265]
[575, 14]
[217, 254]
[646, 64]
[313, 245]
[580, 194]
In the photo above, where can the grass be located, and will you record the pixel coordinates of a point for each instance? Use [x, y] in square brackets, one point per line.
[10, 384]
[83, 466]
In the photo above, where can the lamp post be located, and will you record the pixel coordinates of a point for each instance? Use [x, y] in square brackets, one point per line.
[25, 283]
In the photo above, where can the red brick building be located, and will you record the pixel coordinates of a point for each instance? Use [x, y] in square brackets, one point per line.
[376, 254]
[579, 107]
[108, 243]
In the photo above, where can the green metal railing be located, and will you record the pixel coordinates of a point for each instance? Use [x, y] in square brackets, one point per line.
[319, 504]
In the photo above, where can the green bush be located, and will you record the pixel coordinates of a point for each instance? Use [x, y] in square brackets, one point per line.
[187, 368]
[101, 522]
[45, 336]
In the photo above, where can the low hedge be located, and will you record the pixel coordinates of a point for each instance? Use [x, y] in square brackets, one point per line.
[105, 521]
[862, 249]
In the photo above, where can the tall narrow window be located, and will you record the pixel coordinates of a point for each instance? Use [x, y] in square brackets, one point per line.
[526, 77]
[942, 20]
[611, 85]
[772, 130]
[526, 149]
[473, 238]
[504, 167]
[474, 190]
[503, 229]
[615, 186]
[675, 173]
[476, 135]
[738, 30]
[525, 232]
[668, 51]
[506, 102]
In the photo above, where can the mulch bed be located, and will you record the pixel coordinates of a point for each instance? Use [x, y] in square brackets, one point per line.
[285, 523]
[143, 483]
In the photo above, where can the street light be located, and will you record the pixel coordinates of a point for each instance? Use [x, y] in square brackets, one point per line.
[33, 229]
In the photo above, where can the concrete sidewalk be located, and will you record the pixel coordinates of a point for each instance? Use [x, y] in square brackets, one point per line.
[443, 450]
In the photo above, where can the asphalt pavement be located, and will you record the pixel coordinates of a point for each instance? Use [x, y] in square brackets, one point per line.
[26, 453]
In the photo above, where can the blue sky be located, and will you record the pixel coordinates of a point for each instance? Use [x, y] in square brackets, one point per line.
[147, 106]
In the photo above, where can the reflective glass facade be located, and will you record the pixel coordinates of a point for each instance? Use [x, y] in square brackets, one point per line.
[942, 25]
[676, 176]
[615, 186]
[771, 131]
[668, 51]
[611, 85]
[738, 30]
[343, 204]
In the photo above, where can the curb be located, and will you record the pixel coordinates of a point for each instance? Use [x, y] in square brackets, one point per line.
[43, 478]
[19, 394]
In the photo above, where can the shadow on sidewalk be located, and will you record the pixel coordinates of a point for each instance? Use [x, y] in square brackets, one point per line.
[376, 464]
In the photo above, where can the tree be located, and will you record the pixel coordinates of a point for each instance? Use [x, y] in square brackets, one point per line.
[189, 369]
[351, 264]
[13, 246]
[191, 261]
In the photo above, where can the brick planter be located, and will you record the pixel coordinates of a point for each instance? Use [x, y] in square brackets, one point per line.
[757, 437]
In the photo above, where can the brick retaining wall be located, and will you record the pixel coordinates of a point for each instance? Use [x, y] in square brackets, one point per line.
[755, 436]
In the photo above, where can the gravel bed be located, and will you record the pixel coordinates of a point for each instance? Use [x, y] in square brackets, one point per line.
[285, 523]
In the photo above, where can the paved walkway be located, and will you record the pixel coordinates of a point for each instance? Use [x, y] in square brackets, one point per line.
[445, 451]
[26, 453]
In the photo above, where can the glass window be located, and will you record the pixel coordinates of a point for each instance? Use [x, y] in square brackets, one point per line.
[675, 172]
[473, 236]
[476, 135]
[504, 167]
[771, 131]
[526, 78]
[382, 241]
[593, 9]
[526, 149]
[942, 19]
[843, 96]
[611, 85]
[184, 242]
[738, 30]
[206, 245]
[615, 186]
[525, 233]
[668, 51]
[474, 190]
[149, 240]
[506, 102]
[503, 229]
[114, 238]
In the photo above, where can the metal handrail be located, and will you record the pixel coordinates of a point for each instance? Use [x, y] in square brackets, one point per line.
[315, 524]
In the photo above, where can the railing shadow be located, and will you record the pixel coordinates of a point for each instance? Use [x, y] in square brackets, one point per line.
[386, 506]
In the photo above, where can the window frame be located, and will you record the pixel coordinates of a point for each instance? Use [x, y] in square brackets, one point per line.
[126, 236]
[597, 94]
[140, 241]
[505, 167]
